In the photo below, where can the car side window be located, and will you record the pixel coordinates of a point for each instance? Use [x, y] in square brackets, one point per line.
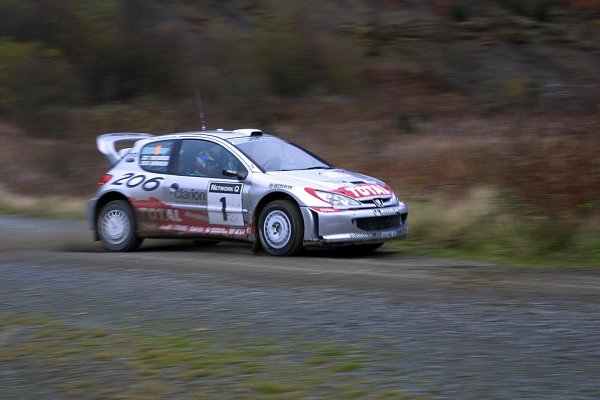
[206, 159]
[155, 156]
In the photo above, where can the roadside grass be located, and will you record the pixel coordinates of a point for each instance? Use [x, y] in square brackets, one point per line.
[83, 362]
[486, 224]
[57, 207]
[489, 226]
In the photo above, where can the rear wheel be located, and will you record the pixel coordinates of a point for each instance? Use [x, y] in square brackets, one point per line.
[281, 229]
[116, 227]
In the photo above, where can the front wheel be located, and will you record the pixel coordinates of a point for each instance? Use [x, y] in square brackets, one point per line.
[281, 229]
[116, 227]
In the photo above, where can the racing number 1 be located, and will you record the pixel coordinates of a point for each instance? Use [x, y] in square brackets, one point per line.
[223, 201]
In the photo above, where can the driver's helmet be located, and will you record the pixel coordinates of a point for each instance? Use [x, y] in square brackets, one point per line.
[203, 161]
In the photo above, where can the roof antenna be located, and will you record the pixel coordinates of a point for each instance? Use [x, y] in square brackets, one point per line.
[200, 110]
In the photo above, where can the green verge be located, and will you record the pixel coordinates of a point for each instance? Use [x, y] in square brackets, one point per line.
[55, 207]
[417, 248]
[488, 227]
[81, 362]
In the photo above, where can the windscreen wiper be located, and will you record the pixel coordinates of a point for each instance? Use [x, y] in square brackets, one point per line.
[323, 167]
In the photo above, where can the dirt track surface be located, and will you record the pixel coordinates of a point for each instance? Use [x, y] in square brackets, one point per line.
[456, 329]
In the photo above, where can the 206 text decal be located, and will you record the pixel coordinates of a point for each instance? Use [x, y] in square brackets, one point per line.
[132, 180]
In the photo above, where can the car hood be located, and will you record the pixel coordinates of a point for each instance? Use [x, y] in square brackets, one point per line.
[324, 179]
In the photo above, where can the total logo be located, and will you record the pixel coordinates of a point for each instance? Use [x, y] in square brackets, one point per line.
[161, 214]
[359, 191]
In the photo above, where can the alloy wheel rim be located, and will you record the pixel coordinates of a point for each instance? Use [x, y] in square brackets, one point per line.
[115, 226]
[277, 229]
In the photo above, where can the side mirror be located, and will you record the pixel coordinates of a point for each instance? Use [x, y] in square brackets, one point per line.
[240, 175]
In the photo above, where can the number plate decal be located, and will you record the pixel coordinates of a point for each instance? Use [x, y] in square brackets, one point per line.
[225, 203]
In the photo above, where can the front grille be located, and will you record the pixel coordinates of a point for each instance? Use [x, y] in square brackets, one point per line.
[372, 201]
[379, 223]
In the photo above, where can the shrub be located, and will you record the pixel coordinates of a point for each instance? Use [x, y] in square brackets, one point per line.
[286, 56]
[296, 57]
[118, 50]
[33, 77]
[409, 123]
[460, 12]
[538, 9]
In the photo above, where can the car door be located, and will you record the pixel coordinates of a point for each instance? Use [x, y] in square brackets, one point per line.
[206, 200]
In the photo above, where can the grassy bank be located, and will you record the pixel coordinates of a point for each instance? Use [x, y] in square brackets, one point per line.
[133, 364]
[53, 207]
[493, 226]
[485, 224]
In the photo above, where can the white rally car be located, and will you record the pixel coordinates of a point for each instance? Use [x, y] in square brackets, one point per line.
[241, 185]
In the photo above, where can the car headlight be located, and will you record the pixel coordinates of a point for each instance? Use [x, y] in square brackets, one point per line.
[333, 198]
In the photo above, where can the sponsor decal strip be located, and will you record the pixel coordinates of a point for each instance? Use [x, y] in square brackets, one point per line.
[214, 230]
[156, 215]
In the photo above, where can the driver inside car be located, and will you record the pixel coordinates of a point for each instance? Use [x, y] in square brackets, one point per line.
[205, 165]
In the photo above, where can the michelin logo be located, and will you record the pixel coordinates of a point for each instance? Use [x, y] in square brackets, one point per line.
[280, 186]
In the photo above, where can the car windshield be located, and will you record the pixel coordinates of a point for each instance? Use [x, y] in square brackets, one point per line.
[274, 154]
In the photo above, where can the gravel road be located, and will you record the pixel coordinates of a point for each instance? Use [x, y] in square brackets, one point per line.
[441, 329]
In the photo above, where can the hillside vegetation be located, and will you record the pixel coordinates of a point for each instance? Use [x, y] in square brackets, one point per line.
[484, 115]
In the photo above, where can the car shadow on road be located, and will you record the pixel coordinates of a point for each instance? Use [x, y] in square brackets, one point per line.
[240, 248]
[345, 252]
[243, 248]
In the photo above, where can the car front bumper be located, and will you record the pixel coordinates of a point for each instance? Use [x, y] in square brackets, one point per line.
[336, 227]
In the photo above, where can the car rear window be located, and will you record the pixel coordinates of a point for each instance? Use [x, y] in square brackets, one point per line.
[155, 156]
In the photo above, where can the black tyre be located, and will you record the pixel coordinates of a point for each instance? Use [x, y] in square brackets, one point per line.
[116, 227]
[281, 229]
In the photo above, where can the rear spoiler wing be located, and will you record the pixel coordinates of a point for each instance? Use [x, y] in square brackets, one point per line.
[107, 143]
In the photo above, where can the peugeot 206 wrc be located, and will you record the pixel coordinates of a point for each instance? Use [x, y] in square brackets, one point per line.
[241, 185]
